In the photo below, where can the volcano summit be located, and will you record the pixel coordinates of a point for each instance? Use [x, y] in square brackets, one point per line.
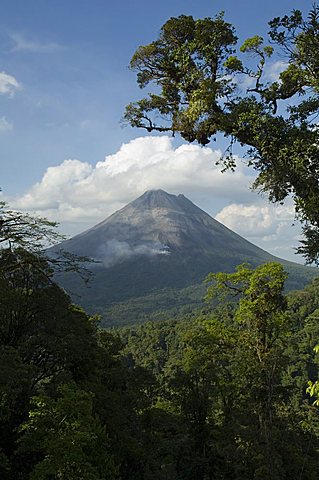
[154, 253]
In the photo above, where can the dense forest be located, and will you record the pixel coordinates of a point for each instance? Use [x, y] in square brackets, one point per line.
[223, 394]
[218, 395]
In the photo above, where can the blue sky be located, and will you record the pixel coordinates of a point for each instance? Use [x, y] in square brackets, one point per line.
[69, 60]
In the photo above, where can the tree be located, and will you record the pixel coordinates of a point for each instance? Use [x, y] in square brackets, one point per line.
[70, 442]
[22, 231]
[229, 396]
[44, 341]
[197, 71]
[259, 362]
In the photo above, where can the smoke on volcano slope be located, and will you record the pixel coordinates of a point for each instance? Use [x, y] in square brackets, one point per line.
[114, 251]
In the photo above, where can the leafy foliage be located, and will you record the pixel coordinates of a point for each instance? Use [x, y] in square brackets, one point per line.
[236, 378]
[220, 395]
[22, 230]
[197, 74]
[68, 436]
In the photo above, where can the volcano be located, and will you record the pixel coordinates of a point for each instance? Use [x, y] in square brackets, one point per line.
[153, 255]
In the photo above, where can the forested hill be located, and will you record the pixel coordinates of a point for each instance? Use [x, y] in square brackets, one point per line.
[231, 393]
[154, 255]
[220, 396]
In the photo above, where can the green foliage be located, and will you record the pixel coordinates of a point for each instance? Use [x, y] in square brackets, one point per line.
[217, 396]
[67, 437]
[313, 390]
[236, 379]
[220, 395]
[196, 69]
[261, 290]
[313, 387]
[262, 314]
[187, 54]
[233, 64]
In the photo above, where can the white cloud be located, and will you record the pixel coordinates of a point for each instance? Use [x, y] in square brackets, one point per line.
[115, 251]
[79, 194]
[76, 190]
[251, 220]
[23, 44]
[8, 84]
[5, 125]
[55, 190]
[272, 227]
[274, 69]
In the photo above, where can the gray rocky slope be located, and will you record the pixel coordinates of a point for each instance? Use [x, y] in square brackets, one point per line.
[162, 223]
[156, 242]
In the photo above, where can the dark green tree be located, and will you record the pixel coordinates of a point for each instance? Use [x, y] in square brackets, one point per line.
[66, 439]
[44, 341]
[229, 400]
[19, 229]
[265, 423]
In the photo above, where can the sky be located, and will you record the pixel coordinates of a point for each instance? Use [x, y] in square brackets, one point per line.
[64, 84]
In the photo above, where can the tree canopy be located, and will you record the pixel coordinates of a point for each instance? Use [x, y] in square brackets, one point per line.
[221, 395]
[199, 76]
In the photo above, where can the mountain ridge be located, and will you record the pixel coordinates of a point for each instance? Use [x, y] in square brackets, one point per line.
[160, 241]
[156, 212]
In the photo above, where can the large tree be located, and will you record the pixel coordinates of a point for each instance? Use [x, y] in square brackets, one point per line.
[197, 71]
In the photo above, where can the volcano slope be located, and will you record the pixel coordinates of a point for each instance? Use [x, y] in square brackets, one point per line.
[153, 256]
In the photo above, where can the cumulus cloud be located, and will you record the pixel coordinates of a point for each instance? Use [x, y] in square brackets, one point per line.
[76, 190]
[252, 220]
[78, 194]
[272, 227]
[8, 84]
[5, 125]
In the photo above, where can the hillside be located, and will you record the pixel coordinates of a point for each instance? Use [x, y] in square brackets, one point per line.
[153, 255]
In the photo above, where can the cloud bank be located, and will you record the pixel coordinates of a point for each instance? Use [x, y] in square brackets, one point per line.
[78, 193]
[75, 190]
[272, 227]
